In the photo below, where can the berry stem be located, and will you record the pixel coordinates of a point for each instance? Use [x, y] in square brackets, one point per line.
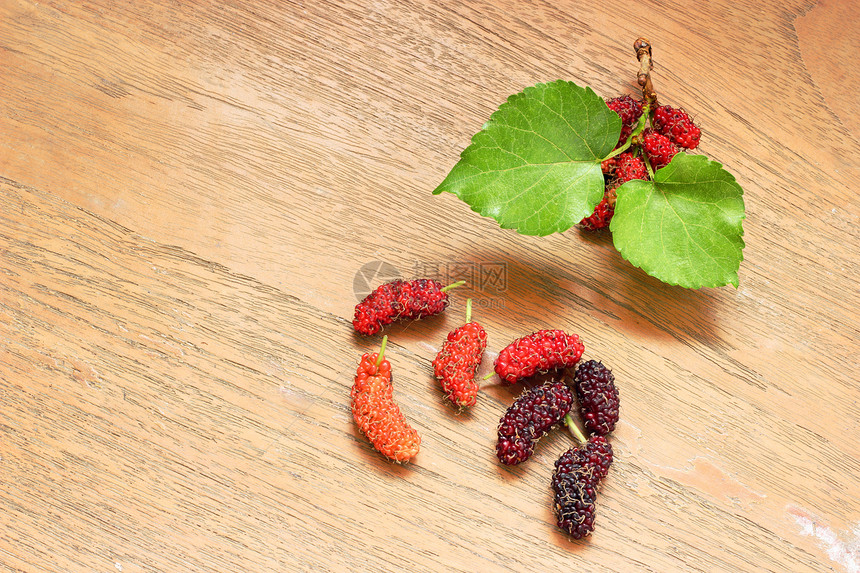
[574, 429]
[468, 310]
[619, 150]
[643, 54]
[640, 127]
[488, 376]
[453, 285]
[648, 166]
[382, 350]
[637, 131]
[643, 121]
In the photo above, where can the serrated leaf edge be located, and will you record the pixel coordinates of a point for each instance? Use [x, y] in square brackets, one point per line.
[733, 278]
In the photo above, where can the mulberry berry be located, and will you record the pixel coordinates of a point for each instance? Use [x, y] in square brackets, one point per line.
[630, 110]
[600, 218]
[618, 170]
[607, 166]
[598, 397]
[677, 126]
[658, 148]
[459, 358]
[375, 412]
[592, 459]
[629, 167]
[400, 300]
[541, 351]
[529, 418]
[575, 482]
[574, 504]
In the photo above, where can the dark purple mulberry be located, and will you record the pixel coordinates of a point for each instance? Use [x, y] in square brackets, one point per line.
[574, 504]
[592, 459]
[597, 395]
[529, 418]
[574, 483]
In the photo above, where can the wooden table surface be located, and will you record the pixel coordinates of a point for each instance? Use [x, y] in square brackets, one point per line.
[191, 191]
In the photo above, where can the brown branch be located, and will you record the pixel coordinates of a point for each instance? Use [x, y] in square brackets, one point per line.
[643, 54]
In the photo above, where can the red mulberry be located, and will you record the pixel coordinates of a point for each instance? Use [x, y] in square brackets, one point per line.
[629, 167]
[677, 126]
[600, 218]
[459, 358]
[629, 110]
[607, 166]
[529, 418]
[658, 148]
[400, 300]
[541, 351]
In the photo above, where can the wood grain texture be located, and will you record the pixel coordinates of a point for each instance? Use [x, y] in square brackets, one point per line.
[189, 189]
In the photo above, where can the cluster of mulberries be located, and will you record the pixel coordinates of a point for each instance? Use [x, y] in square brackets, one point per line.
[579, 471]
[671, 129]
[540, 408]
[373, 408]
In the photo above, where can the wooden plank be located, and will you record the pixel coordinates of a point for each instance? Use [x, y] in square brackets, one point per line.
[188, 191]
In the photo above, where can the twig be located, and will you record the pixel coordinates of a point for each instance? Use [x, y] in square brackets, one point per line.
[643, 54]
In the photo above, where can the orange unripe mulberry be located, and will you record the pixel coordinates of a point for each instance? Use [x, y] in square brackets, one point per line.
[376, 414]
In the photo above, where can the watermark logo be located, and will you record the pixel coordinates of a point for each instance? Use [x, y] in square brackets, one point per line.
[486, 277]
[371, 275]
[486, 280]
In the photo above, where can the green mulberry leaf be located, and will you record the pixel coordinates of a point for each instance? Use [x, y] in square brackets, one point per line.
[685, 227]
[535, 165]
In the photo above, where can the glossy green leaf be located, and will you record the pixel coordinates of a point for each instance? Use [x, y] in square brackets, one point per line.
[535, 165]
[685, 227]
